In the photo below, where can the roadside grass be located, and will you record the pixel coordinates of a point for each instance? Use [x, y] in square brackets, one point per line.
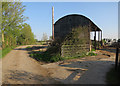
[1, 53]
[6, 50]
[113, 76]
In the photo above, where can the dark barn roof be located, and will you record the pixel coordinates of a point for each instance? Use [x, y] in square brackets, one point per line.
[93, 26]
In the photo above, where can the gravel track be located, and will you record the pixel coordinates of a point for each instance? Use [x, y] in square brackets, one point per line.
[19, 68]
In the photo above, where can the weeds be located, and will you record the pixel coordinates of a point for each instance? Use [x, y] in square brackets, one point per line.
[91, 54]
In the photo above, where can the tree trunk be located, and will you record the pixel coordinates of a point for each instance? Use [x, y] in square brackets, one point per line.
[3, 37]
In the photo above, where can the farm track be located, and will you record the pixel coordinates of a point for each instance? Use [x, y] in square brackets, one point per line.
[19, 68]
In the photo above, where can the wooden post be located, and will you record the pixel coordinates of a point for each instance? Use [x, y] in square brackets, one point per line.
[101, 37]
[89, 34]
[95, 39]
[98, 38]
[116, 59]
[53, 23]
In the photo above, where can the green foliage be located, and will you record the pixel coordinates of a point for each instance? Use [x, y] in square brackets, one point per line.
[91, 54]
[51, 55]
[46, 57]
[75, 37]
[93, 50]
[26, 38]
[14, 32]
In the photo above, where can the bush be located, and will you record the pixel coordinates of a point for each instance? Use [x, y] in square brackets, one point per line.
[46, 57]
[91, 54]
[93, 50]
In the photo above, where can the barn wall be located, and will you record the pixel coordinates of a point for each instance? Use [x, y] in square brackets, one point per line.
[76, 43]
[74, 30]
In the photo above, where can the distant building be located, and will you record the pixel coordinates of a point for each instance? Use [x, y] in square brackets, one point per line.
[109, 41]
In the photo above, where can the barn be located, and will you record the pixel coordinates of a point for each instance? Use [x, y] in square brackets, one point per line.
[74, 32]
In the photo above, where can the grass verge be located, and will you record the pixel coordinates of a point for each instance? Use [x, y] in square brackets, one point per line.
[6, 50]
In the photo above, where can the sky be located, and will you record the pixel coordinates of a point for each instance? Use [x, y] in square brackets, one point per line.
[103, 14]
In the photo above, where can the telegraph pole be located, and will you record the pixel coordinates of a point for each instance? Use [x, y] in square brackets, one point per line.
[53, 23]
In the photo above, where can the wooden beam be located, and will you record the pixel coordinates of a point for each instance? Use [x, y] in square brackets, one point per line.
[53, 23]
[98, 38]
[89, 35]
[101, 37]
[95, 39]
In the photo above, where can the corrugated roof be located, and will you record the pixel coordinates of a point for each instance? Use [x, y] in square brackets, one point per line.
[93, 26]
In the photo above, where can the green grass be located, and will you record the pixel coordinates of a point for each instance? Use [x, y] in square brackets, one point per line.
[0, 53]
[5, 51]
[91, 54]
[113, 76]
[93, 50]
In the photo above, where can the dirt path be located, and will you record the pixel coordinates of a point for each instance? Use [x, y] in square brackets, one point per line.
[87, 70]
[80, 71]
[19, 68]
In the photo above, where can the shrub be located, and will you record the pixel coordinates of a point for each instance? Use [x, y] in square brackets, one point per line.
[91, 54]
